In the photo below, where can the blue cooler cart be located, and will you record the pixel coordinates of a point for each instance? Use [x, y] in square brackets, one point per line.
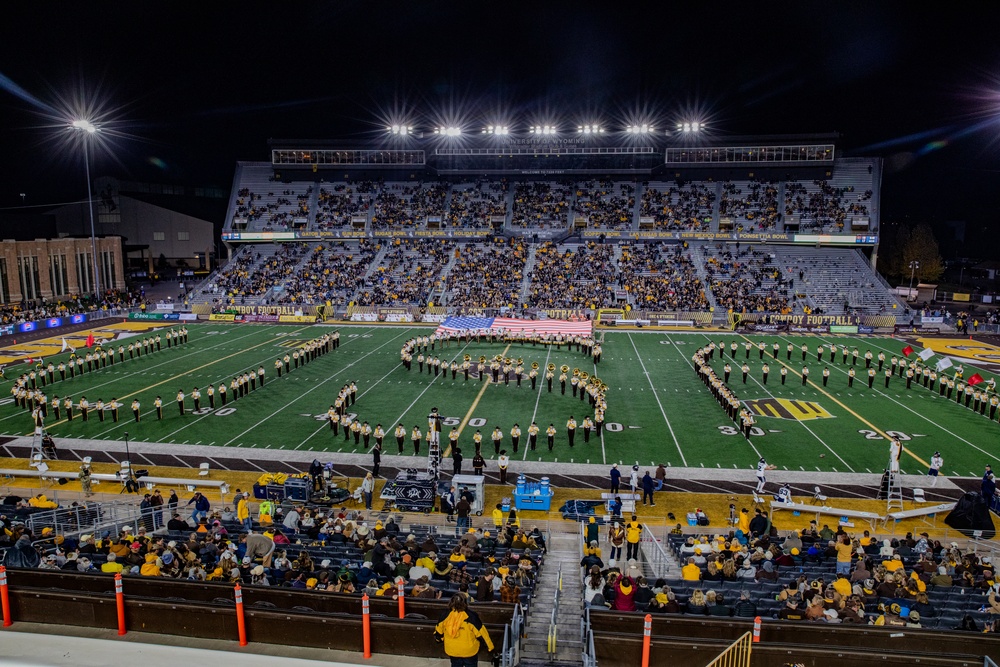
[533, 496]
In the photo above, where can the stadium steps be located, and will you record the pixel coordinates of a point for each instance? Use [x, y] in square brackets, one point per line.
[437, 294]
[313, 208]
[715, 207]
[781, 205]
[508, 222]
[640, 187]
[563, 553]
[694, 252]
[529, 266]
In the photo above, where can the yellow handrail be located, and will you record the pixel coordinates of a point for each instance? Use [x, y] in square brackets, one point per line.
[737, 654]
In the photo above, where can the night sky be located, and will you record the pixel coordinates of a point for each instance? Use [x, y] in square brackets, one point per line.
[184, 90]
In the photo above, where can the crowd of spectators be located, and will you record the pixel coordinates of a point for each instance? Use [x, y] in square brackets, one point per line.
[746, 280]
[473, 205]
[295, 547]
[277, 211]
[606, 204]
[256, 271]
[331, 273]
[686, 206]
[344, 201]
[407, 274]
[35, 310]
[487, 275]
[824, 206]
[819, 575]
[573, 277]
[660, 277]
[757, 210]
[408, 204]
[541, 205]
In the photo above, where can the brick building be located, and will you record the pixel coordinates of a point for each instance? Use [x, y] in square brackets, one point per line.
[54, 269]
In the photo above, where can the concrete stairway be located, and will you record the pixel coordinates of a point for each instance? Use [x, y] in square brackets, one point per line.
[563, 551]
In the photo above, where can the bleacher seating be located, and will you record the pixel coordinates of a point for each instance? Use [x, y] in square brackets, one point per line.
[752, 206]
[473, 205]
[407, 274]
[580, 276]
[329, 272]
[687, 206]
[408, 204]
[269, 205]
[605, 204]
[487, 275]
[341, 202]
[541, 205]
[659, 277]
[746, 278]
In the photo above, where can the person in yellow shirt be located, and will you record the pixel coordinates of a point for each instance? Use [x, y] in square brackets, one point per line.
[844, 552]
[462, 633]
[112, 566]
[691, 572]
[892, 565]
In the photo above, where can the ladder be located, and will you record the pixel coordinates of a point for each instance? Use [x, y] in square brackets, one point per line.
[894, 496]
[38, 452]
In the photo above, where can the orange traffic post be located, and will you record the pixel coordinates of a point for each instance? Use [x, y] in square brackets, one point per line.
[647, 631]
[120, 602]
[366, 626]
[756, 630]
[5, 597]
[399, 596]
[240, 621]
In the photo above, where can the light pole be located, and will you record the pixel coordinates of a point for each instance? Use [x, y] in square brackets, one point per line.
[89, 128]
[914, 265]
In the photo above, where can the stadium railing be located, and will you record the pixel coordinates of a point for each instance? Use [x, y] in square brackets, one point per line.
[658, 558]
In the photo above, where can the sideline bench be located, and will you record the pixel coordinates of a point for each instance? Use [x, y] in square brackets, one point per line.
[922, 512]
[149, 482]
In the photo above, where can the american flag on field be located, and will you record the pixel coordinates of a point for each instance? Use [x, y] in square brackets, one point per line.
[457, 324]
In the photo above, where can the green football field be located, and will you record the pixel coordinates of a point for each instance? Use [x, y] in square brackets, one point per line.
[658, 411]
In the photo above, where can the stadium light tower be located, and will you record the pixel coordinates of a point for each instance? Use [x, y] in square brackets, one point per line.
[449, 131]
[88, 129]
[544, 129]
[496, 130]
[590, 129]
[690, 126]
[642, 128]
[399, 130]
[914, 266]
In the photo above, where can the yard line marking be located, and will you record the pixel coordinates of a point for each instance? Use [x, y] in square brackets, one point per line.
[313, 388]
[117, 378]
[657, 397]
[217, 464]
[803, 424]
[183, 462]
[475, 403]
[545, 367]
[285, 376]
[180, 375]
[254, 464]
[360, 396]
[434, 379]
[841, 404]
[604, 456]
[683, 356]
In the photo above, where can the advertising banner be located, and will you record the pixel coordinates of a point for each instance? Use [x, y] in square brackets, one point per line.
[149, 316]
[844, 328]
[264, 318]
[222, 317]
[809, 328]
[760, 327]
[299, 319]
[189, 317]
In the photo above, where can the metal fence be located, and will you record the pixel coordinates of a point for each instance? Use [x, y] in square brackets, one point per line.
[737, 655]
[86, 517]
[658, 559]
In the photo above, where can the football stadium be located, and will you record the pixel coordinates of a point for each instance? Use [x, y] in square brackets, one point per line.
[705, 323]
[535, 388]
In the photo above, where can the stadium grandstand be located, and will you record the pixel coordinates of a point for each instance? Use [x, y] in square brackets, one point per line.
[706, 229]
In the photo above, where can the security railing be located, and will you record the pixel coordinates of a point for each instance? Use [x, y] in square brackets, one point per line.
[86, 517]
[737, 654]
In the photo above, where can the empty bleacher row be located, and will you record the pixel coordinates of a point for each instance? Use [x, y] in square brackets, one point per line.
[829, 206]
[512, 272]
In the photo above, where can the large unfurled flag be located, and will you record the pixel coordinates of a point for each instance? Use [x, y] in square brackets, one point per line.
[975, 379]
[945, 363]
[65, 345]
[907, 351]
[458, 324]
[926, 354]
[90, 340]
